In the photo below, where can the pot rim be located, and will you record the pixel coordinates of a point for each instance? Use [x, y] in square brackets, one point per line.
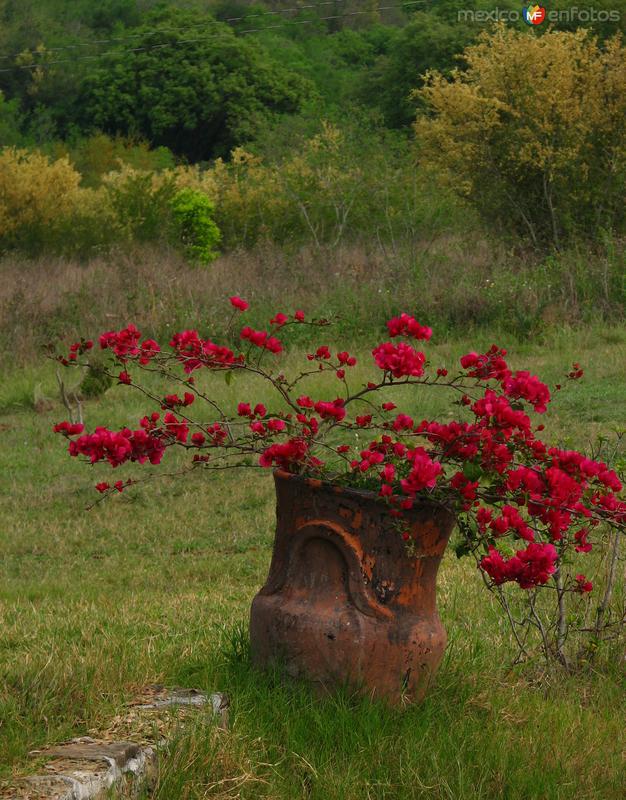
[421, 503]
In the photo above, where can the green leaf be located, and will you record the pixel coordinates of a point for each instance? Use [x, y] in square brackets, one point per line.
[228, 377]
[462, 548]
[472, 471]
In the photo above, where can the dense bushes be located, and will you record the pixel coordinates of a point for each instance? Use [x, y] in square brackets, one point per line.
[532, 132]
[541, 153]
[335, 186]
[36, 197]
[45, 209]
[338, 185]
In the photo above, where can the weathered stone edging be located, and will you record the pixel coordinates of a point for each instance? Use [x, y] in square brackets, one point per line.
[87, 768]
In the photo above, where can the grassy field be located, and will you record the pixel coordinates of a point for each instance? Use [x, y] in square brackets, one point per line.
[155, 586]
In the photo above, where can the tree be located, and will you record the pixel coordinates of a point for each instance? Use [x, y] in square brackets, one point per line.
[192, 86]
[532, 132]
[10, 122]
[427, 42]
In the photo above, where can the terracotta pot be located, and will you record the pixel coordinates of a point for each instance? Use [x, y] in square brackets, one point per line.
[344, 602]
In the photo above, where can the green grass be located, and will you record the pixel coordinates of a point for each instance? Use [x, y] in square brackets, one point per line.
[155, 587]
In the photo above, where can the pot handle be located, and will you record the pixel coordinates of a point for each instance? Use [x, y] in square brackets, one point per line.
[349, 546]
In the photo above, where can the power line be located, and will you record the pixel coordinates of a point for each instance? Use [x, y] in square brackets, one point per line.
[118, 39]
[95, 42]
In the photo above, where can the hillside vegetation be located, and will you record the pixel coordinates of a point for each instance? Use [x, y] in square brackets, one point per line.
[407, 133]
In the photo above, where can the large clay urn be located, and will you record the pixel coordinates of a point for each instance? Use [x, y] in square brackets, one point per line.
[344, 603]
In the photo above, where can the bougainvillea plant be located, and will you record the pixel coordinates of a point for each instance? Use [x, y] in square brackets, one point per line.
[522, 506]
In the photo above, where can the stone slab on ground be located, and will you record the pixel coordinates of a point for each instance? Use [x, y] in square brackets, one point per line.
[87, 768]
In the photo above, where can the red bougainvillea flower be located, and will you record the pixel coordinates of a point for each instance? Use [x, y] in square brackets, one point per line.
[583, 585]
[346, 359]
[322, 352]
[576, 372]
[174, 401]
[124, 378]
[279, 320]
[582, 545]
[403, 423]
[523, 385]
[148, 350]
[76, 349]
[285, 455]
[486, 365]
[69, 428]
[466, 488]
[195, 352]
[177, 428]
[424, 472]
[401, 360]
[405, 325]
[529, 568]
[511, 520]
[119, 447]
[276, 425]
[123, 343]
[261, 339]
[239, 303]
[217, 434]
[334, 410]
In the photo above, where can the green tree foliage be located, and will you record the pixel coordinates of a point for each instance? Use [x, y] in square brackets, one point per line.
[96, 381]
[427, 42]
[198, 90]
[10, 123]
[193, 225]
[532, 132]
[95, 156]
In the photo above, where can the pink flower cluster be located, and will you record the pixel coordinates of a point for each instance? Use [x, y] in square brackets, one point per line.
[530, 567]
[405, 325]
[195, 352]
[261, 339]
[400, 360]
[119, 447]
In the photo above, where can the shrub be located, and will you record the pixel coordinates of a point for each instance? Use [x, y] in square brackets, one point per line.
[527, 512]
[193, 225]
[96, 381]
[140, 201]
[97, 155]
[532, 132]
[337, 185]
[35, 193]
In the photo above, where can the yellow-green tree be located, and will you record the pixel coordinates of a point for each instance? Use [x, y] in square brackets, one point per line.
[533, 133]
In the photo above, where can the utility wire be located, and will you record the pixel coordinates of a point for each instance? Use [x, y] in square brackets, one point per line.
[94, 42]
[285, 23]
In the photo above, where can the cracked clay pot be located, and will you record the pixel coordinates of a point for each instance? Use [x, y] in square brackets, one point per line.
[344, 603]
